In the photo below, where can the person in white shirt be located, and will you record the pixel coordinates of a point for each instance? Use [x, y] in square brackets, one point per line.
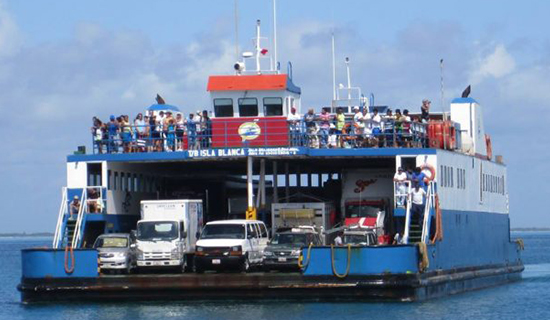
[338, 240]
[294, 125]
[400, 178]
[418, 195]
[358, 124]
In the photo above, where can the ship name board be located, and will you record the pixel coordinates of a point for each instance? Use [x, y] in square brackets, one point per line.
[243, 152]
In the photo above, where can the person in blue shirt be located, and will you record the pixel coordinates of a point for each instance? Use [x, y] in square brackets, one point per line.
[112, 130]
[191, 131]
[418, 177]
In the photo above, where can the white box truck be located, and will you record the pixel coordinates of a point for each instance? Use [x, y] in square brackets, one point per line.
[167, 233]
[320, 215]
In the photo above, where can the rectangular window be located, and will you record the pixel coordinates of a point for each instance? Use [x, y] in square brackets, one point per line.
[130, 182]
[116, 183]
[136, 184]
[248, 107]
[123, 185]
[109, 179]
[141, 183]
[452, 172]
[273, 106]
[223, 107]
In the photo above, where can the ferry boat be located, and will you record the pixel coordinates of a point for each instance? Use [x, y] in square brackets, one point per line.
[249, 155]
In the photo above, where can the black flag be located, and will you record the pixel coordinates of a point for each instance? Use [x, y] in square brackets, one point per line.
[160, 100]
[466, 92]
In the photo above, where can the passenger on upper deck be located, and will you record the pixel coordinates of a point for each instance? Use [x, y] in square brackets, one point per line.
[388, 128]
[206, 124]
[324, 127]
[192, 132]
[311, 128]
[425, 109]
[293, 120]
[180, 130]
[112, 129]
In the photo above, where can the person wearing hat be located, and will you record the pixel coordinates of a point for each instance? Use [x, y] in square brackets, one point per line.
[425, 109]
[74, 208]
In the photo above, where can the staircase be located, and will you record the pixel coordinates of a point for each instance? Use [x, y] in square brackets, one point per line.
[70, 228]
[415, 233]
[418, 231]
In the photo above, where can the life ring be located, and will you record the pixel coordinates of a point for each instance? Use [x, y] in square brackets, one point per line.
[431, 169]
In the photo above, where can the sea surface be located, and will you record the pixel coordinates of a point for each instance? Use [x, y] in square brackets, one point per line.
[527, 299]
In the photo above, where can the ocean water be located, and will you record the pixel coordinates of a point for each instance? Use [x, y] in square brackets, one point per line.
[527, 299]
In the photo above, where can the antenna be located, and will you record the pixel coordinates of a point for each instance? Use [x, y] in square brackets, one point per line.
[258, 49]
[237, 30]
[334, 90]
[274, 61]
[442, 87]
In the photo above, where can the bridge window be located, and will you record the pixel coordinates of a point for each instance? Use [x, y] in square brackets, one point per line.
[248, 107]
[223, 107]
[273, 106]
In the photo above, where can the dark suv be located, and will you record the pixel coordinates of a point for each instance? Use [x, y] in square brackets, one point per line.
[283, 251]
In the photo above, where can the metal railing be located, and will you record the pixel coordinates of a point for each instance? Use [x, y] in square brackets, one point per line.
[401, 193]
[430, 200]
[78, 226]
[227, 132]
[59, 228]
[64, 214]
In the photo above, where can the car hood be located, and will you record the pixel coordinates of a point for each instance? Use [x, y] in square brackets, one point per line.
[220, 242]
[112, 250]
[281, 247]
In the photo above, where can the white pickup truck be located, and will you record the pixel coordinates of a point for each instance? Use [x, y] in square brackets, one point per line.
[167, 233]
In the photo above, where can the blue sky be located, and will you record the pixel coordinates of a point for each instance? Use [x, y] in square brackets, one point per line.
[62, 62]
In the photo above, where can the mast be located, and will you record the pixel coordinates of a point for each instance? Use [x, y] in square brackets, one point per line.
[258, 49]
[236, 31]
[274, 62]
[333, 71]
[349, 79]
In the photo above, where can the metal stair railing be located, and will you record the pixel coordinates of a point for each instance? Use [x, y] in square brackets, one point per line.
[407, 221]
[81, 210]
[59, 230]
[427, 212]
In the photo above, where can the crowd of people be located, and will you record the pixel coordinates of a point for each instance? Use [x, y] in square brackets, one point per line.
[164, 131]
[160, 131]
[364, 129]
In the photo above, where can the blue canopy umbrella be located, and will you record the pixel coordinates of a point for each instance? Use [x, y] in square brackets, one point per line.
[163, 107]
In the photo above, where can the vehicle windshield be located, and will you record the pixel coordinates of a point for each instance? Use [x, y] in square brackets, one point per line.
[223, 231]
[111, 242]
[361, 211]
[297, 239]
[356, 239]
[157, 230]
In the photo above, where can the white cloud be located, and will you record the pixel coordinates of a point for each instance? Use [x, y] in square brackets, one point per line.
[10, 37]
[497, 64]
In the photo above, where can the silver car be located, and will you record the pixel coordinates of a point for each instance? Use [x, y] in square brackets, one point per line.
[115, 253]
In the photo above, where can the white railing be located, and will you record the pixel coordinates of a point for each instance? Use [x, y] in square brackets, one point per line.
[99, 201]
[427, 210]
[77, 232]
[399, 194]
[407, 220]
[59, 226]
